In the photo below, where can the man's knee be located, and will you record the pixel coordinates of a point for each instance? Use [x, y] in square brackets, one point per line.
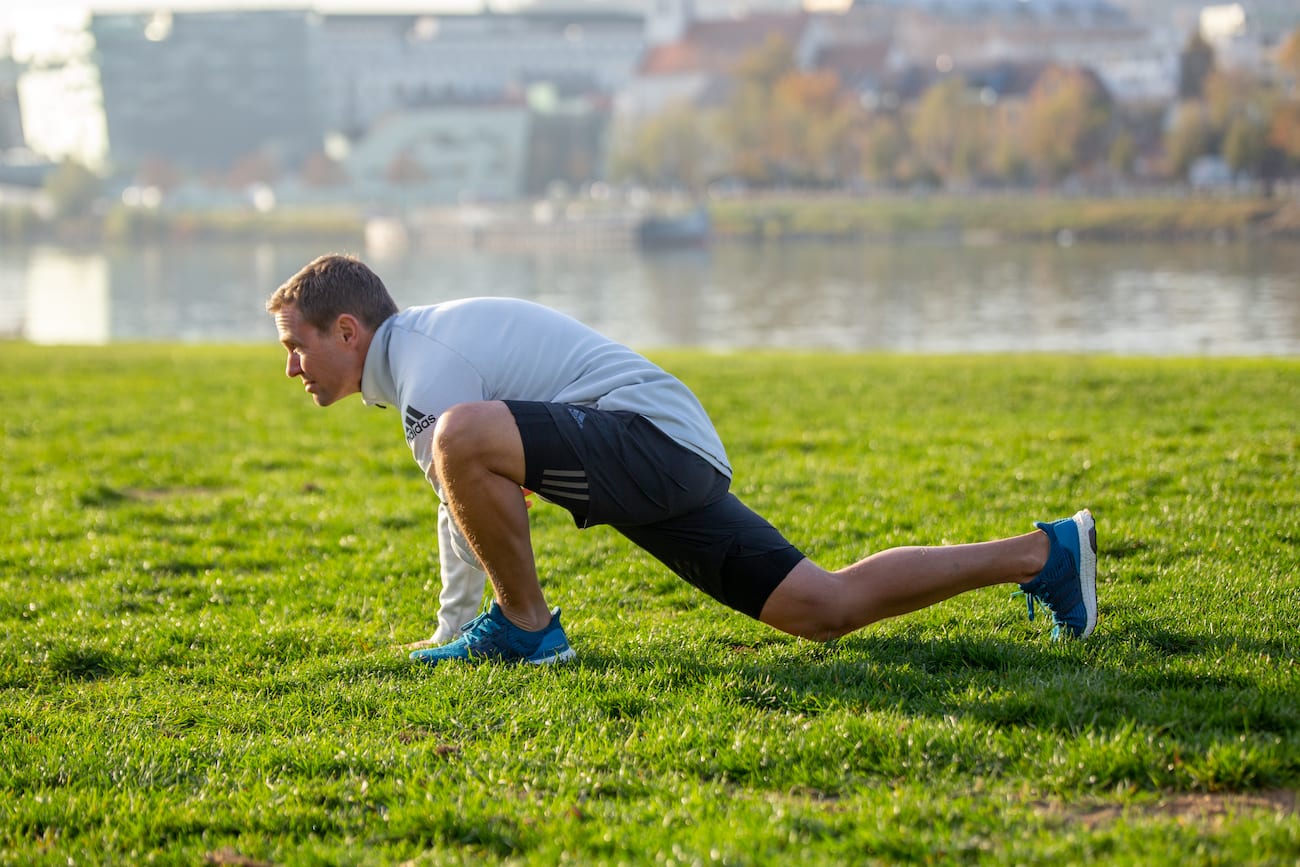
[809, 603]
[479, 433]
[459, 429]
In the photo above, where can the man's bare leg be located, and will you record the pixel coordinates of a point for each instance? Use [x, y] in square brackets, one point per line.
[478, 456]
[815, 603]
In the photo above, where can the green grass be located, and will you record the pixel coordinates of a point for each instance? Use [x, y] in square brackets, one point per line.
[203, 580]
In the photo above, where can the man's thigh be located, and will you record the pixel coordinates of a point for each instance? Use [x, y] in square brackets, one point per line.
[610, 467]
[725, 549]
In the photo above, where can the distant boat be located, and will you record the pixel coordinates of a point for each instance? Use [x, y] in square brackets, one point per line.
[691, 229]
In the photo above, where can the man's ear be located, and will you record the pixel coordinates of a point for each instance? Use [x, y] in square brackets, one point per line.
[348, 328]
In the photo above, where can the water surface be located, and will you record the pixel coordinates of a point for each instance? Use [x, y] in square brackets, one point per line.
[1148, 299]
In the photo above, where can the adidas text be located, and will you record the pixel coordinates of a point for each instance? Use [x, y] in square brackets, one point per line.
[417, 422]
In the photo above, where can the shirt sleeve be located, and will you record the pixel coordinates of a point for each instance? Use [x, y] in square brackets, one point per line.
[462, 582]
[430, 379]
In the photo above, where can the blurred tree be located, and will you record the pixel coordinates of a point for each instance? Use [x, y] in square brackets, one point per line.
[72, 189]
[1284, 120]
[1006, 159]
[746, 123]
[1226, 95]
[1238, 95]
[1187, 139]
[1284, 129]
[1067, 115]
[953, 133]
[1244, 145]
[1288, 56]
[884, 142]
[950, 131]
[813, 121]
[1123, 154]
[1238, 108]
[673, 149]
[762, 67]
[1195, 63]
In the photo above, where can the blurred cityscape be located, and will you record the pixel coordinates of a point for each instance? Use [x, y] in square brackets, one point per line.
[390, 114]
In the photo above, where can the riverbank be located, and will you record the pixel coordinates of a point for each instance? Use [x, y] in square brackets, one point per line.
[998, 218]
[767, 217]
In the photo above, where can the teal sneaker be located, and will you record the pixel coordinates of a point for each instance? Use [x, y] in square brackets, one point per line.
[1067, 586]
[492, 636]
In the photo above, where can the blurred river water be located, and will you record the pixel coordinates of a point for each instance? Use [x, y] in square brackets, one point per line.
[1140, 299]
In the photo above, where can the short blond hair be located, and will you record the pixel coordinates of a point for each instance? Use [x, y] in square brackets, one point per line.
[331, 285]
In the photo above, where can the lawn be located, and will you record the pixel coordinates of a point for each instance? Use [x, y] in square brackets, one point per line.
[205, 579]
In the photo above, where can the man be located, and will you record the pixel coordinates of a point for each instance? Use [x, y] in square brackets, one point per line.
[500, 394]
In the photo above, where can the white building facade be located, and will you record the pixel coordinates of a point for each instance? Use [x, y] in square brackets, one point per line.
[371, 65]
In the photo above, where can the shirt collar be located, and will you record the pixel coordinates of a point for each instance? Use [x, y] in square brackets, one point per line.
[377, 387]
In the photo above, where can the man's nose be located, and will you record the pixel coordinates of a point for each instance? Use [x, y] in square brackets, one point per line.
[293, 368]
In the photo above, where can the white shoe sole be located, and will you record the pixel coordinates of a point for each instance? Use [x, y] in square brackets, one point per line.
[1087, 529]
[563, 656]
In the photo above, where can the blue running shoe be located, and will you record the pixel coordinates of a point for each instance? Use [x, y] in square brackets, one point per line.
[1067, 586]
[492, 636]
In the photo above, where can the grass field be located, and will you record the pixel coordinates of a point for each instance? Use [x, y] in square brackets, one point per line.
[203, 580]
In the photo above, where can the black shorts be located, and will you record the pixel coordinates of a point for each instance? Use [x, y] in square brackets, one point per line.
[617, 468]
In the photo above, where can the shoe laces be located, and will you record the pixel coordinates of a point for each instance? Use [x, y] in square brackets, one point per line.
[1030, 599]
[481, 628]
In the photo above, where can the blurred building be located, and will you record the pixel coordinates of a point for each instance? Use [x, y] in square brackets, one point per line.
[474, 107]
[372, 65]
[957, 36]
[22, 173]
[889, 50]
[206, 90]
[445, 154]
[11, 117]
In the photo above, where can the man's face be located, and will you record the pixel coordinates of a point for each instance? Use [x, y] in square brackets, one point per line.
[328, 361]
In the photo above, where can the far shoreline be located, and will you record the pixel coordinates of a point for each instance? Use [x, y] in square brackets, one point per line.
[756, 218]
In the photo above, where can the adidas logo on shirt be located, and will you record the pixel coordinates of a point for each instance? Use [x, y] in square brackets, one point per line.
[417, 421]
